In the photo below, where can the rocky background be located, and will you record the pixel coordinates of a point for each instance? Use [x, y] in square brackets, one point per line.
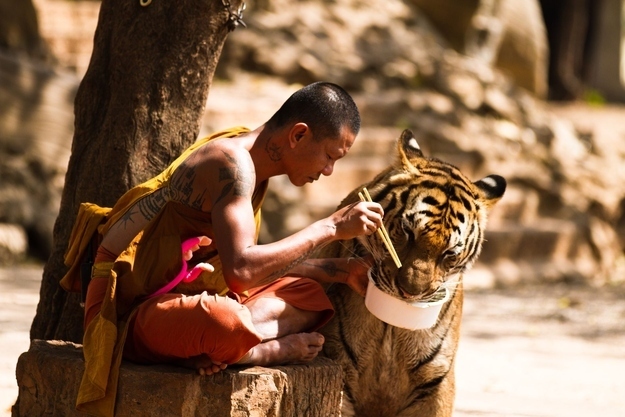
[474, 98]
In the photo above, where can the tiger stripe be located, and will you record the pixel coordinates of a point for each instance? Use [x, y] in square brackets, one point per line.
[436, 218]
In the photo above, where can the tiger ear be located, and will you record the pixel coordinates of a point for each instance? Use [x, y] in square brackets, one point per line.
[408, 149]
[492, 189]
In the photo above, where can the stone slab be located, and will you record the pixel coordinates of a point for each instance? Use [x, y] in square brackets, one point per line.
[48, 376]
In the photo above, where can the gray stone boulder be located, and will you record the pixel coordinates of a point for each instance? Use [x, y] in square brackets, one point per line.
[376, 44]
[508, 34]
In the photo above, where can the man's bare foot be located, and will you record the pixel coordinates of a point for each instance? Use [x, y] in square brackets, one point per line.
[203, 364]
[293, 348]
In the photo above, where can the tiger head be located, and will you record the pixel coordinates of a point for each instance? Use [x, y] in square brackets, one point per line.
[435, 217]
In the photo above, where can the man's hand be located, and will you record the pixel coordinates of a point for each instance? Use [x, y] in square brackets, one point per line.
[357, 219]
[357, 278]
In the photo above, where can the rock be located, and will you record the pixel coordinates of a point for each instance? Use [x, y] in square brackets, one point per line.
[13, 244]
[301, 390]
[507, 34]
[465, 88]
[35, 140]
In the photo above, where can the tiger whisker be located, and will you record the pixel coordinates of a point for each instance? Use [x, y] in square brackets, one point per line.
[356, 256]
[375, 251]
[452, 284]
[348, 249]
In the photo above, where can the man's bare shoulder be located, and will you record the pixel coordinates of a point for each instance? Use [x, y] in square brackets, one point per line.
[216, 171]
[236, 173]
[228, 152]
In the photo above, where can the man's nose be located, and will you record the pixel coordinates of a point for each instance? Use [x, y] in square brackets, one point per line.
[329, 168]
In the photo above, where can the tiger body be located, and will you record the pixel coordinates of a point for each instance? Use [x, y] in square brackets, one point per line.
[435, 217]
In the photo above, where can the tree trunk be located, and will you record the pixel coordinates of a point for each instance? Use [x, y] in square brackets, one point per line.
[138, 106]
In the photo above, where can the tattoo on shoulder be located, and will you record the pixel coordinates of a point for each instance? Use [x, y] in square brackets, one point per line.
[181, 188]
[273, 150]
[237, 182]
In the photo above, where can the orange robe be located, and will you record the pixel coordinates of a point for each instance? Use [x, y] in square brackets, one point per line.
[172, 325]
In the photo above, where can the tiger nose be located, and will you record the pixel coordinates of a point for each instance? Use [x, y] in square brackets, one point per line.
[411, 291]
[412, 283]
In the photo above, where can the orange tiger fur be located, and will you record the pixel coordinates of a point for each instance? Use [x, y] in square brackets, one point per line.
[435, 217]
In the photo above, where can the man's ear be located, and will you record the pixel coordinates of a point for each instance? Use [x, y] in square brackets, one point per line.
[297, 133]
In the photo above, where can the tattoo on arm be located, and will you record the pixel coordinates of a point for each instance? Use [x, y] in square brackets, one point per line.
[238, 182]
[329, 267]
[151, 205]
[281, 272]
[127, 217]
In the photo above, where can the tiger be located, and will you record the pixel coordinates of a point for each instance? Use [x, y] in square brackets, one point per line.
[435, 218]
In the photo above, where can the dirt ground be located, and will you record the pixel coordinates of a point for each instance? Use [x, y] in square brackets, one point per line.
[550, 351]
[528, 352]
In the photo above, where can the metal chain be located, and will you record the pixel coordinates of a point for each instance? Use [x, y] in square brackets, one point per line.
[234, 18]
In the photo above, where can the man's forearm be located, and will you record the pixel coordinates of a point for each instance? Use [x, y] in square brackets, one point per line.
[322, 270]
[262, 264]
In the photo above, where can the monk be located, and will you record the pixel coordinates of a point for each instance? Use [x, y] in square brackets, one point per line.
[257, 304]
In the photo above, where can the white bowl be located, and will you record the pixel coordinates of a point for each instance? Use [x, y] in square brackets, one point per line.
[400, 313]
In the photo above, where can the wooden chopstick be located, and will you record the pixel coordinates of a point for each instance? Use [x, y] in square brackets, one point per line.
[388, 238]
[382, 231]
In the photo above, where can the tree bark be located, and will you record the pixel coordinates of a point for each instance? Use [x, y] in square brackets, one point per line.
[137, 107]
